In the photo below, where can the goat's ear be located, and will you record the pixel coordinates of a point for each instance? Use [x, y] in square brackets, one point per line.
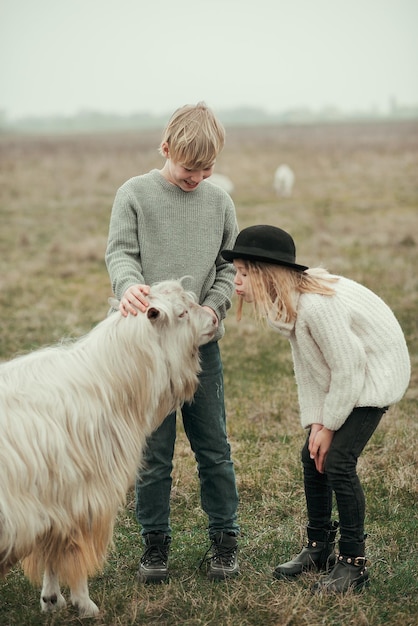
[152, 313]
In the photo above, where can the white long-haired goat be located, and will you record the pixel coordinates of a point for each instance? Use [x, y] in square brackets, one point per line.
[73, 422]
[284, 179]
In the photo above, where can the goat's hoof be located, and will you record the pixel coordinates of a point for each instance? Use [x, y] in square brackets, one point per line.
[52, 603]
[89, 609]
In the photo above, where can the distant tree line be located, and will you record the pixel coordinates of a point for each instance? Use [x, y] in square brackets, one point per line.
[97, 121]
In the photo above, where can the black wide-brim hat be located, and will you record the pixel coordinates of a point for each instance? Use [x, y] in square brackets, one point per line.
[267, 244]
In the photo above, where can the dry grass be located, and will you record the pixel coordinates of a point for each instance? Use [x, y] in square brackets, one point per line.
[354, 210]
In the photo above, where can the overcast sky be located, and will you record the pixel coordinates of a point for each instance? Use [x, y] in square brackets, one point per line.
[125, 56]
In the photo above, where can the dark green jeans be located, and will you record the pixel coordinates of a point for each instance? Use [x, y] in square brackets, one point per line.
[204, 423]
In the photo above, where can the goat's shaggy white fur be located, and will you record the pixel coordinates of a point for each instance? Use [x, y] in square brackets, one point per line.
[73, 422]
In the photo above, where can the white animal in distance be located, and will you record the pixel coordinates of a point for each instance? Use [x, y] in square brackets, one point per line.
[222, 181]
[73, 422]
[284, 179]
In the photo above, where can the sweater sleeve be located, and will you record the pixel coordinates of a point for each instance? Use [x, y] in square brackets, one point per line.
[122, 254]
[219, 294]
[333, 364]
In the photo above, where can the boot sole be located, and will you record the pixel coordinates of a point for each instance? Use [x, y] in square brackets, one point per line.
[306, 570]
[222, 574]
[152, 578]
[317, 588]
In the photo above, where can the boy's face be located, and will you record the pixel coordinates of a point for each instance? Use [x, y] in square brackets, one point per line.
[185, 178]
[242, 281]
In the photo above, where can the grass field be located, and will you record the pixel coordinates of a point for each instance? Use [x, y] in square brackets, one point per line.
[354, 210]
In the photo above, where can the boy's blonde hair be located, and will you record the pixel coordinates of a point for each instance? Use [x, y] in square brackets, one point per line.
[194, 136]
[274, 288]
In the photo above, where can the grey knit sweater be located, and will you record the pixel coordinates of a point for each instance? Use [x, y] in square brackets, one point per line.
[158, 232]
[348, 351]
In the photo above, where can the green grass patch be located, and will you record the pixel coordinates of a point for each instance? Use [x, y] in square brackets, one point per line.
[354, 210]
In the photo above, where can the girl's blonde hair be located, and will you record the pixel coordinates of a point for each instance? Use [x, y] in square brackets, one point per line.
[194, 136]
[274, 289]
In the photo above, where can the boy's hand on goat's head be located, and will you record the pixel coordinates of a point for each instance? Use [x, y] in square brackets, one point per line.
[212, 312]
[134, 299]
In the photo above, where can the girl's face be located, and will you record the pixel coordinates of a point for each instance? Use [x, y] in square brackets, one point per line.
[242, 281]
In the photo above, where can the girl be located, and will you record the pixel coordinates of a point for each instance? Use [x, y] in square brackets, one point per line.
[351, 362]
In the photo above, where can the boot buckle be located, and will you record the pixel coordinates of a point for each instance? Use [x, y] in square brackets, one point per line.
[357, 561]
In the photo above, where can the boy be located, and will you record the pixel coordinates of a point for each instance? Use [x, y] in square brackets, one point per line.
[172, 223]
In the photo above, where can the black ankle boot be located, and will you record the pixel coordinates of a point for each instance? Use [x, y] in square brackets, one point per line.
[318, 554]
[349, 572]
[153, 566]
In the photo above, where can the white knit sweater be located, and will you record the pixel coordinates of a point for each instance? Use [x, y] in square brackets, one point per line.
[348, 351]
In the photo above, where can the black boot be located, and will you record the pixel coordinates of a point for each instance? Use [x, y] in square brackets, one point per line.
[224, 560]
[349, 572]
[318, 554]
[153, 566]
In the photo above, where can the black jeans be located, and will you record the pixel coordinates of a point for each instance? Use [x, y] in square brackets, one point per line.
[341, 476]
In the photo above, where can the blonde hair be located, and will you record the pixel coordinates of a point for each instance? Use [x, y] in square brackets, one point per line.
[274, 289]
[194, 136]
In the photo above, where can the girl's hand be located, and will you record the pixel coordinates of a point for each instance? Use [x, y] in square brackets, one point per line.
[320, 440]
[134, 299]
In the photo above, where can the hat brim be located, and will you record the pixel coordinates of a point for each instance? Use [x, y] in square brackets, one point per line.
[230, 255]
